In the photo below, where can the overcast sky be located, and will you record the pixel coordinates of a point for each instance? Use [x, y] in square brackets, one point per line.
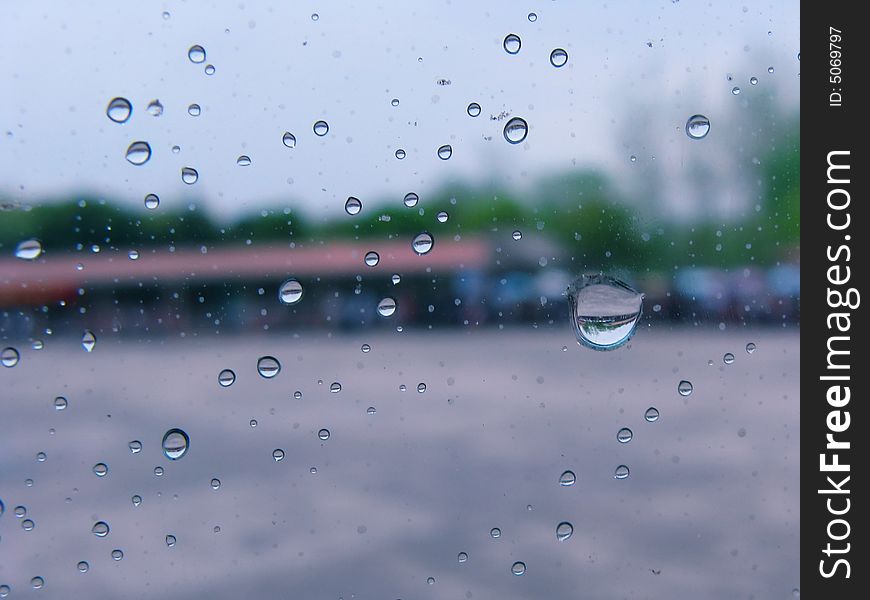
[278, 69]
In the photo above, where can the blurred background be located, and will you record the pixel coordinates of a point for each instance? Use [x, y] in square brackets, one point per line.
[177, 280]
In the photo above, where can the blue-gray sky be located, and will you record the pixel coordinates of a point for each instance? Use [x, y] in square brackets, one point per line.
[278, 69]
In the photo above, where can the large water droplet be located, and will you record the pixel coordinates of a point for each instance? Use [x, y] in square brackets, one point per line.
[290, 291]
[697, 127]
[119, 110]
[268, 367]
[558, 57]
[604, 311]
[175, 444]
[138, 153]
[9, 357]
[353, 206]
[518, 568]
[567, 478]
[289, 139]
[189, 175]
[226, 378]
[28, 249]
[685, 388]
[564, 530]
[372, 258]
[651, 414]
[621, 472]
[423, 242]
[516, 130]
[445, 151]
[410, 200]
[321, 128]
[387, 307]
[624, 435]
[512, 43]
[473, 109]
[89, 340]
[196, 54]
[152, 201]
[100, 529]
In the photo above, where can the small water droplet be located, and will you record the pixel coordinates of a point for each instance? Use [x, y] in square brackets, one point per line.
[209, 69]
[387, 306]
[564, 530]
[289, 139]
[632, 158]
[651, 415]
[37, 582]
[170, 540]
[516, 130]
[117, 554]
[152, 201]
[175, 444]
[366, 348]
[138, 153]
[353, 206]
[215, 483]
[728, 358]
[323, 434]
[244, 160]
[462, 557]
[750, 348]
[518, 568]
[133, 255]
[83, 566]
[430, 580]
[290, 292]
[517, 235]
[697, 127]
[28, 249]
[423, 242]
[411, 199]
[624, 435]
[321, 128]
[770, 70]
[442, 216]
[621, 472]
[445, 151]
[735, 90]
[196, 54]
[396, 279]
[277, 455]
[495, 532]
[119, 110]
[9, 357]
[136, 499]
[89, 340]
[158, 471]
[101, 470]
[60, 403]
[372, 258]
[685, 388]
[473, 109]
[100, 529]
[604, 311]
[753, 80]
[189, 175]
[335, 387]
[135, 446]
[394, 102]
[400, 154]
[533, 17]
[512, 43]
[4, 590]
[226, 378]
[194, 110]
[567, 478]
[28, 524]
[421, 388]
[154, 108]
[268, 367]
[558, 57]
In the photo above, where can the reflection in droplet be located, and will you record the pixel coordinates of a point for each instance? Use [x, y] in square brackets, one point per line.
[410, 200]
[394, 102]
[60, 403]
[621, 472]
[37, 582]
[735, 90]
[136, 499]
[290, 291]
[28, 249]
[194, 110]
[277, 455]
[268, 367]
[135, 446]
[564, 530]
[558, 57]
[567, 478]
[533, 17]
[209, 69]
[83, 566]
[371, 410]
[518, 568]
[196, 54]
[512, 43]
[445, 151]
[226, 378]
[442, 216]
[189, 175]
[119, 110]
[170, 540]
[117, 554]
[624, 435]
[158, 471]
[462, 557]
[604, 311]
[100, 529]
[288, 139]
[138, 153]
[101, 470]
[9, 357]
[133, 255]
[175, 444]
[365, 348]
[400, 154]
[372, 258]
[28, 524]
[215, 483]
[152, 201]
[473, 109]
[321, 128]
[323, 434]
[685, 388]
[516, 130]
[750, 348]
[423, 242]
[495, 532]
[387, 306]
[651, 414]
[697, 127]
[244, 160]
[352, 206]
[89, 340]
[728, 358]
[335, 387]
[753, 80]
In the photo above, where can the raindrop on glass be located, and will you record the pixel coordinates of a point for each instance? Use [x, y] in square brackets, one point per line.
[117, 554]
[564, 530]
[154, 108]
[323, 434]
[277, 455]
[209, 69]
[119, 110]
[516, 130]
[753, 80]
[621, 472]
[100, 529]
[244, 160]
[365, 348]
[189, 175]
[175, 444]
[101, 470]
[624, 435]
[512, 43]
[37, 582]
[387, 307]
[289, 139]
[137, 500]
[170, 540]
[226, 378]
[473, 109]
[685, 388]
[372, 258]
[335, 387]
[268, 367]
[196, 54]
[215, 483]
[445, 151]
[152, 201]
[321, 128]
[411, 199]
[28, 249]
[423, 242]
[290, 291]
[567, 478]
[558, 57]
[651, 415]
[462, 557]
[697, 127]
[735, 90]
[728, 358]
[495, 532]
[352, 206]
[604, 311]
[60, 403]
[138, 153]
[9, 357]
[400, 154]
[89, 340]
[533, 17]
[135, 446]
[442, 216]
[396, 279]
[194, 110]
[83, 566]
[750, 347]
[518, 568]
[517, 235]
